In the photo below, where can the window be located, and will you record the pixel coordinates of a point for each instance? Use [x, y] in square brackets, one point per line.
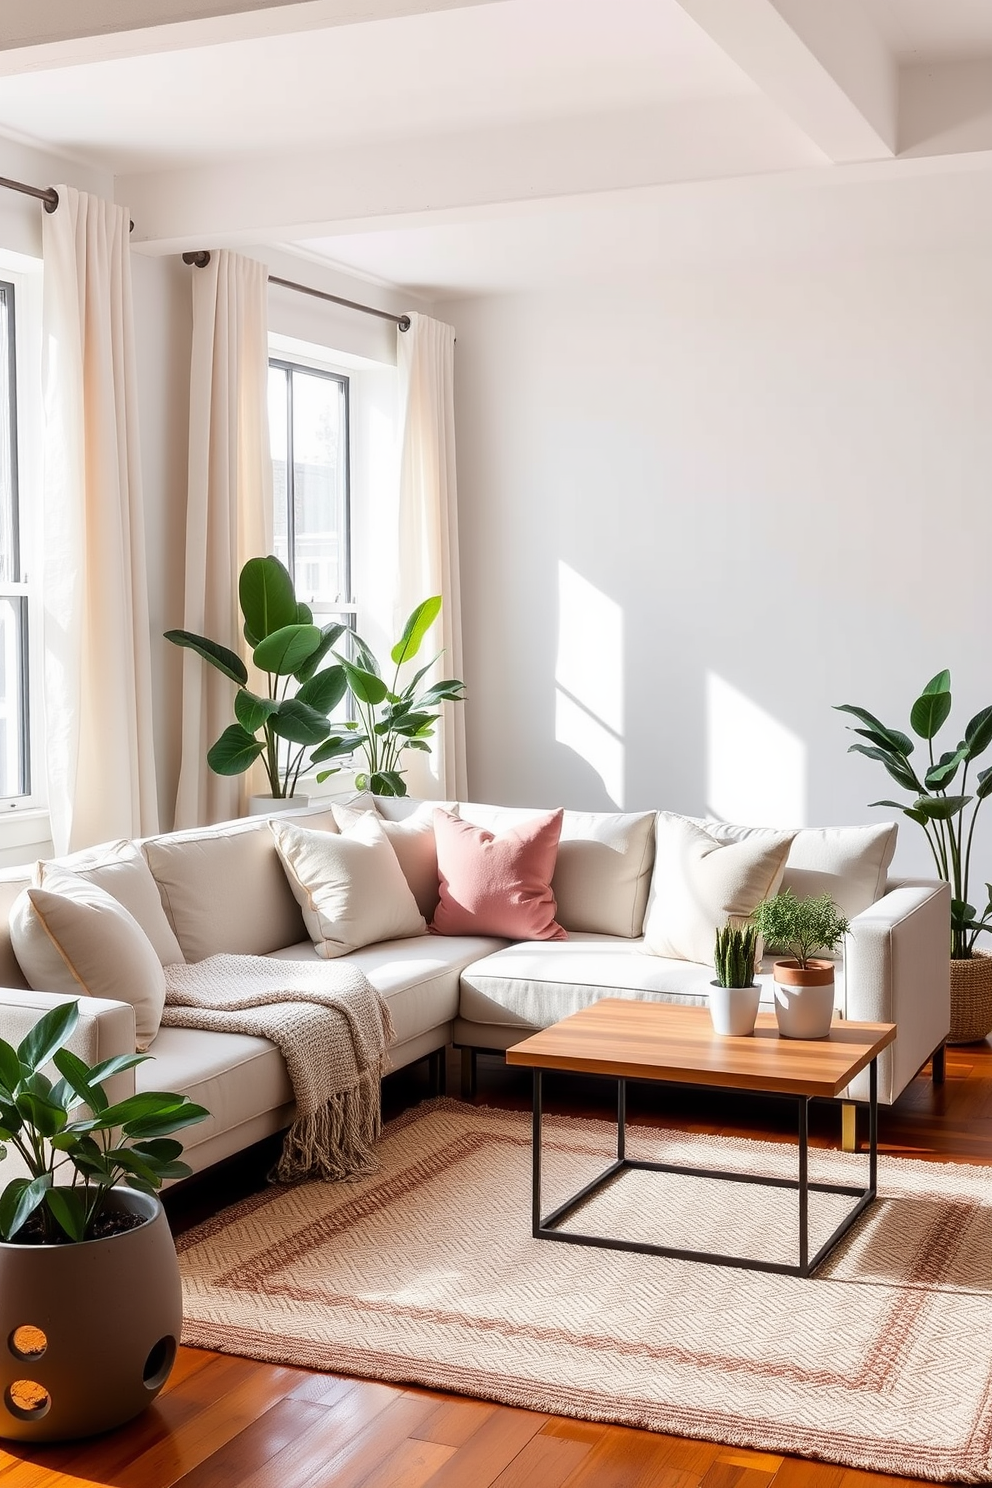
[15, 754]
[309, 430]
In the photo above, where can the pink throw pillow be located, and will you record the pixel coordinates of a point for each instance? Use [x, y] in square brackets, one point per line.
[493, 885]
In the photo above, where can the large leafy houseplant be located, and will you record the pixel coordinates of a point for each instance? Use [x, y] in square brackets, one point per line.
[292, 714]
[390, 719]
[78, 1145]
[942, 812]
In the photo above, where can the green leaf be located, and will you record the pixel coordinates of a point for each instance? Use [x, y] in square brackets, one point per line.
[268, 601]
[10, 1067]
[304, 614]
[286, 649]
[115, 1065]
[80, 1080]
[234, 751]
[68, 1208]
[336, 747]
[897, 768]
[364, 657]
[930, 711]
[222, 657]
[324, 690]
[47, 1035]
[449, 690]
[367, 686]
[415, 629]
[940, 775]
[251, 711]
[902, 743]
[40, 1113]
[978, 734]
[941, 808]
[151, 1126]
[298, 723]
[329, 636]
[938, 684]
[160, 1149]
[984, 783]
[960, 911]
[19, 1200]
[387, 783]
[909, 811]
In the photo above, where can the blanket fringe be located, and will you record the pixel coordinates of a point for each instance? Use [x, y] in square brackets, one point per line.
[338, 1139]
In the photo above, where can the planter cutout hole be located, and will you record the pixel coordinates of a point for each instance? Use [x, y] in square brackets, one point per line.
[159, 1362]
[27, 1342]
[27, 1400]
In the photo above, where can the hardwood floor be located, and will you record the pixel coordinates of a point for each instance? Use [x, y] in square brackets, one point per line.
[224, 1422]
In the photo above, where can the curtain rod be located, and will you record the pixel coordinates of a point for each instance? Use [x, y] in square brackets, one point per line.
[200, 259]
[46, 194]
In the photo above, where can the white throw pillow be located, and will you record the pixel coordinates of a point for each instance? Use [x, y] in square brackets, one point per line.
[850, 864]
[121, 870]
[349, 885]
[74, 937]
[413, 843]
[699, 884]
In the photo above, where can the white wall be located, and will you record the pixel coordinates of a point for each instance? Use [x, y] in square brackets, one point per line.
[754, 495]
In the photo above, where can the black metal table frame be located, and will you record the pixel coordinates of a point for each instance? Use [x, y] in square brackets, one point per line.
[546, 1228]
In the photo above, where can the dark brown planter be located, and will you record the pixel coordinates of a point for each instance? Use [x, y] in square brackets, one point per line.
[89, 1331]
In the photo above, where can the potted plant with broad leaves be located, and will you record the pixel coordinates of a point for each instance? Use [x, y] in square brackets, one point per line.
[90, 1297]
[390, 719]
[941, 803]
[735, 996]
[291, 714]
[804, 982]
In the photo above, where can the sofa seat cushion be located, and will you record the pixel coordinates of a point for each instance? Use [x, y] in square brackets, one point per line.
[235, 1075]
[535, 985]
[418, 976]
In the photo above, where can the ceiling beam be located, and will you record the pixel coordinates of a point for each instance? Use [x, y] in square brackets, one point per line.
[376, 183]
[66, 33]
[821, 61]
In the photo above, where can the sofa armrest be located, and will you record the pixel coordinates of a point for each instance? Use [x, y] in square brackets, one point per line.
[104, 1029]
[897, 970]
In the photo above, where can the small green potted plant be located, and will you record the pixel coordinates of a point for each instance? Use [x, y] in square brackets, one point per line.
[90, 1296]
[941, 803]
[735, 996]
[803, 927]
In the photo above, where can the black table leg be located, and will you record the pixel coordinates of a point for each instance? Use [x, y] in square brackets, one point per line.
[536, 1158]
[803, 1185]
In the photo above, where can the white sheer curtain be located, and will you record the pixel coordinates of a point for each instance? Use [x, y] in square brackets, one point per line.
[428, 533]
[98, 719]
[229, 508]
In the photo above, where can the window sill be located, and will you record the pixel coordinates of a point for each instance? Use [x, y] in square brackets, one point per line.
[25, 834]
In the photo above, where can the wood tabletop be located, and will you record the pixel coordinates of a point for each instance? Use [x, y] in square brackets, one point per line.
[664, 1041]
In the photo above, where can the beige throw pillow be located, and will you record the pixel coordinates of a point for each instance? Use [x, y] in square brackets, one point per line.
[120, 869]
[412, 841]
[74, 937]
[349, 885]
[850, 864]
[699, 884]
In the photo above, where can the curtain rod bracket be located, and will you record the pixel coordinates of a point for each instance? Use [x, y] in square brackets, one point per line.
[200, 258]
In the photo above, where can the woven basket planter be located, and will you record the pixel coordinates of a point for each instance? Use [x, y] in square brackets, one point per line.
[971, 999]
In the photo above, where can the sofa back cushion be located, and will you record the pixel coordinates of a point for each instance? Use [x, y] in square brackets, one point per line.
[224, 889]
[850, 864]
[74, 937]
[603, 872]
[120, 869]
[699, 884]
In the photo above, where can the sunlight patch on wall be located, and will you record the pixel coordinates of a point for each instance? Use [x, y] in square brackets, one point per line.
[755, 766]
[589, 678]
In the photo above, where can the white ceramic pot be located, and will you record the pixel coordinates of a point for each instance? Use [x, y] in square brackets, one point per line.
[804, 999]
[266, 805]
[734, 1009]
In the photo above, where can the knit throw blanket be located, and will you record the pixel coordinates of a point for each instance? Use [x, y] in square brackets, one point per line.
[331, 1027]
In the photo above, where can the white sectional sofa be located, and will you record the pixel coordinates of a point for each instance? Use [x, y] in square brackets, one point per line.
[224, 889]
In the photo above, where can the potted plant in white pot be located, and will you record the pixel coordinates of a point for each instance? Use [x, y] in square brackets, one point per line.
[804, 983]
[90, 1297]
[947, 811]
[279, 722]
[735, 996]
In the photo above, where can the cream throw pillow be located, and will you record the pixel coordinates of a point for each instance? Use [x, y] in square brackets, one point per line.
[349, 885]
[412, 840]
[699, 884]
[851, 864]
[120, 869]
[74, 937]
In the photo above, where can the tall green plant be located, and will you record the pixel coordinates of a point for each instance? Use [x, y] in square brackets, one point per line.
[390, 719]
[288, 649]
[75, 1160]
[942, 813]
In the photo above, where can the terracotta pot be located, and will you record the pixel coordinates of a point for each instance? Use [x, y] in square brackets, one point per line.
[89, 1331]
[734, 1009]
[971, 999]
[804, 998]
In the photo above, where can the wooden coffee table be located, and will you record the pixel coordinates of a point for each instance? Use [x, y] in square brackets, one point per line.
[677, 1045]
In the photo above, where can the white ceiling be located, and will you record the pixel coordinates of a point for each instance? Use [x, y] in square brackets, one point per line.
[465, 146]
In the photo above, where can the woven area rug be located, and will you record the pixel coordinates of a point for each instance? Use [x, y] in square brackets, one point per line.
[427, 1273]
